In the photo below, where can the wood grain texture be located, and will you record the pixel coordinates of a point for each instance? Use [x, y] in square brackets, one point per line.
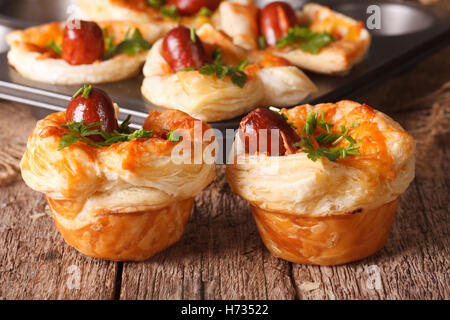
[221, 256]
[35, 262]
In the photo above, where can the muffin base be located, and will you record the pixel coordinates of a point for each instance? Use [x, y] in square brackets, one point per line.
[329, 240]
[127, 236]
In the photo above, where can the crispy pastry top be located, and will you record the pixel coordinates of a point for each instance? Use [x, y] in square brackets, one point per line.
[124, 177]
[297, 185]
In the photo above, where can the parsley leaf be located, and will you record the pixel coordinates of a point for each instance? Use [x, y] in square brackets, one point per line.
[238, 77]
[311, 123]
[125, 126]
[156, 4]
[305, 39]
[323, 124]
[193, 35]
[170, 12]
[204, 12]
[85, 91]
[109, 45]
[78, 131]
[326, 138]
[262, 42]
[174, 136]
[131, 45]
[56, 48]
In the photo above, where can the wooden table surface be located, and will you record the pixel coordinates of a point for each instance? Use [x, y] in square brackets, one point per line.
[220, 255]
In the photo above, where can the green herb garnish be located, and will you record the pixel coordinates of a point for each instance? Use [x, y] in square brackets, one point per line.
[311, 123]
[56, 48]
[238, 77]
[156, 4]
[187, 69]
[85, 90]
[109, 45]
[193, 35]
[170, 12]
[131, 45]
[79, 132]
[204, 12]
[174, 136]
[305, 39]
[262, 42]
[323, 124]
[326, 138]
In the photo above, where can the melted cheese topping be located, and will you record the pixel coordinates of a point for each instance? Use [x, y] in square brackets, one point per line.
[126, 176]
[369, 136]
[323, 19]
[30, 57]
[35, 39]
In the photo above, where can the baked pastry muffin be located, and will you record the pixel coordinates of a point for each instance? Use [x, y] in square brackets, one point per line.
[207, 76]
[115, 193]
[81, 51]
[166, 13]
[324, 185]
[315, 38]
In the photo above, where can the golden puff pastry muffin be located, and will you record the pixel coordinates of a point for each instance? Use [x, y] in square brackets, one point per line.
[115, 193]
[316, 38]
[205, 75]
[81, 51]
[325, 184]
[167, 14]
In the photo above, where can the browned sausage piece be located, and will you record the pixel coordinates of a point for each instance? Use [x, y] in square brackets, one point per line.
[262, 118]
[82, 43]
[275, 20]
[181, 52]
[97, 107]
[191, 7]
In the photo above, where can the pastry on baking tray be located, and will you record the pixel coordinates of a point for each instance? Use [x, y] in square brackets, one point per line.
[315, 38]
[204, 74]
[115, 193]
[325, 184]
[81, 51]
[166, 13]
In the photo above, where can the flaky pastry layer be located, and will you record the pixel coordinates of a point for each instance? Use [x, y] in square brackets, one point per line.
[352, 39]
[25, 57]
[126, 177]
[212, 99]
[294, 184]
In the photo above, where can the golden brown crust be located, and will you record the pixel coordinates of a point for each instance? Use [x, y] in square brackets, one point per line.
[351, 45]
[122, 202]
[296, 184]
[129, 236]
[328, 212]
[331, 240]
[30, 57]
[212, 99]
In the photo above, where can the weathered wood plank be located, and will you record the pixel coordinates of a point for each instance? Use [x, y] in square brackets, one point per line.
[414, 264]
[220, 256]
[35, 262]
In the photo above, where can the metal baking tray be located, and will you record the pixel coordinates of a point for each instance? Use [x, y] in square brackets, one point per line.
[408, 33]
